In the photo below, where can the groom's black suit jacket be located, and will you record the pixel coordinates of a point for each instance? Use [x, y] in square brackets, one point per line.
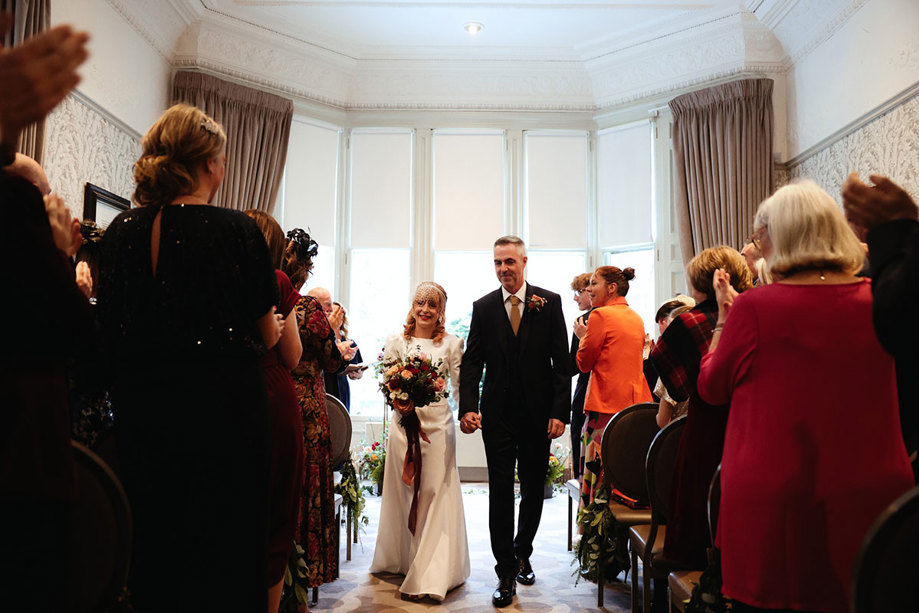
[531, 368]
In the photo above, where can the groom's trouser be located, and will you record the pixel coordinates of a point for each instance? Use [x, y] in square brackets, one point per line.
[509, 439]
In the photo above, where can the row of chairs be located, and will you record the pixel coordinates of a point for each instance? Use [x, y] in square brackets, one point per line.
[640, 460]
[103, 526]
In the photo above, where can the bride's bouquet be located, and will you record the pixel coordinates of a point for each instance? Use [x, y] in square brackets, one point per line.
[411, 383]
[408, 384]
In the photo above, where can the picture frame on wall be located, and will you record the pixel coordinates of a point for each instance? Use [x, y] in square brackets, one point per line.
[101, 205]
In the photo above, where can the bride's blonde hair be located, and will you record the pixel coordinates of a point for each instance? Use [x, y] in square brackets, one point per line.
[428, 290]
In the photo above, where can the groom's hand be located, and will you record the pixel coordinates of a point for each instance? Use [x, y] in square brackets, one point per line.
[556, 428]
[470, 422]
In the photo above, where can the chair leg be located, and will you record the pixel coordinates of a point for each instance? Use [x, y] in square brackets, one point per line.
[348, 537]
[600, 570]
[569, 522]
[315, 599]
[634, 572]
[645, 588]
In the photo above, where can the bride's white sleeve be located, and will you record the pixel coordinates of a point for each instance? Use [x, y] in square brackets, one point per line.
[454, 359]
[392, 348]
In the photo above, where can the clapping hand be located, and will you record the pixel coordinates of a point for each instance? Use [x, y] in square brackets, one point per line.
[60, 220]
[347, 350]
[580, 328]
[870, 206]
[336, 318]
[84, 279]
[724, 293]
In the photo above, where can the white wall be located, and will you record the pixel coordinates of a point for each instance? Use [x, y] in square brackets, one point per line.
[872, 57]
[124, 74]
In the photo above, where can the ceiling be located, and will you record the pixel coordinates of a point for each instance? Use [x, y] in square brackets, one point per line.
[547, 56]
[433, 29]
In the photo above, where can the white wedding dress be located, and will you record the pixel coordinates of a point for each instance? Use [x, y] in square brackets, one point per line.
[436, 558]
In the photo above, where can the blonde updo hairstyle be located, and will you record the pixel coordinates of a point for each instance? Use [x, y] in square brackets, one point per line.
[174, 148]
[428, 290]
[807, 231]
[701, 269]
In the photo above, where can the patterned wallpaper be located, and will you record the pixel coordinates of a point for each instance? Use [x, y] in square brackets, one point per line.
[888, 145]
[84, 144]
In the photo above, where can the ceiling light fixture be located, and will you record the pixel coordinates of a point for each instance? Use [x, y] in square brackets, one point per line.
[473, 27]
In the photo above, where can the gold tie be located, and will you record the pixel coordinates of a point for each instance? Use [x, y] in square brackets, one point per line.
[515, 314]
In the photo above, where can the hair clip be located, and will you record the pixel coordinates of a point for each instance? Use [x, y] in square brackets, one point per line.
[305, 246]
[210, 125]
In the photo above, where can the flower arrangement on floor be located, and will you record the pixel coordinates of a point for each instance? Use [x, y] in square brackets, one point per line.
[372, 463]
[558, 465]
[601, 540]
[352, 495]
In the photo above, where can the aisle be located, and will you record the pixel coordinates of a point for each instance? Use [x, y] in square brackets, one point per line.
[554, 592]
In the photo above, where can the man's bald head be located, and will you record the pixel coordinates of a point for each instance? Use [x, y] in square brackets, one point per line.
[323, 296]
[31, 171]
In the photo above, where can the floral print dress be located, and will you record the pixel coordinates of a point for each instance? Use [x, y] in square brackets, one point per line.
[318, 528]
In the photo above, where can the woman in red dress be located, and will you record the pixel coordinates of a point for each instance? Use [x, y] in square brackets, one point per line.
[286, 462]
[676, 358]
[813, 450]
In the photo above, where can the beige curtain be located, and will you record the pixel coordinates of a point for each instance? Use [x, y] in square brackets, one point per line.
[722, 149]
[29, 18]
[258, 129]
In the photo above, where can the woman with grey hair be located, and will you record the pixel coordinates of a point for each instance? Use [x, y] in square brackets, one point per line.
[813, 422]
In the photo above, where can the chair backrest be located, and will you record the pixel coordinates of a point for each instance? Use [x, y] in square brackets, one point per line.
[624, 446]
[101, 532]
[885, 571]
[714, 504]
[660, 466]
[339, 429]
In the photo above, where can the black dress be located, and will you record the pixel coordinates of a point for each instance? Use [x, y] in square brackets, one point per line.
[190, 404]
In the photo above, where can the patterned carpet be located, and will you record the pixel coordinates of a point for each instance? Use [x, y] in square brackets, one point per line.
[554, 591]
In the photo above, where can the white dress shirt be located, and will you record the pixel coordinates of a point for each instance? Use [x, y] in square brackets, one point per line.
[521, 293]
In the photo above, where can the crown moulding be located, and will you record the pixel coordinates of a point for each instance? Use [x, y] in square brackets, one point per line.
[734, 44]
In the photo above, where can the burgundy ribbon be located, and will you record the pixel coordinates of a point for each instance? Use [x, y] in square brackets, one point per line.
[411, 468]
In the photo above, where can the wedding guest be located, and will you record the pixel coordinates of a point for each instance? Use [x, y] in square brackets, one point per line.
[752, 256]
[890, 216]
[581, 296]
[186, 298]
[669, 409]
[286, 464]
[611, 349]
[676, 357]
[338, 384]
[433, 553]
[318, 529]
[36, 463]
[796, 453]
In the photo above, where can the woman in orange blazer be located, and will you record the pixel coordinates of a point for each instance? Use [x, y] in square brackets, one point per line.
[611, 349]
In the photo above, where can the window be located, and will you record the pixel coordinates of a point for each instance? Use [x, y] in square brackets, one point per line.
[380, 255]
[554, 271]
[641, 288]
[311, 192]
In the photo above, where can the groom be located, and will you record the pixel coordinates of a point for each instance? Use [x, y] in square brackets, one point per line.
[518, 335]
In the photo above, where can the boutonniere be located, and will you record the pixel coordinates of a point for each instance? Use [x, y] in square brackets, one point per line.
[535, 303]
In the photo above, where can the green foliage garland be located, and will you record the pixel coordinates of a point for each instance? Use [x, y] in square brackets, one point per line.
[352, 495]
[599, 532]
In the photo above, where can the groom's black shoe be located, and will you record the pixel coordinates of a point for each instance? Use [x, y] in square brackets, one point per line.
[526, 576]
[504, 594]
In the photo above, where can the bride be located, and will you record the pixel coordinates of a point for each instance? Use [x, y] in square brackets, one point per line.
[436, 558]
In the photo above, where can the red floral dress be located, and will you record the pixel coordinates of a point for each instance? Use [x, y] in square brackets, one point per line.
[317, 534]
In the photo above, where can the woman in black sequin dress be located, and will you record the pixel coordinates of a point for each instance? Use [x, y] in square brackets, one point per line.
[187, 295]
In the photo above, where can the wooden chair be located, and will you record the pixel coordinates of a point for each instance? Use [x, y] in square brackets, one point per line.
[680, 583]
[623, 449]
[887, 566]
[341, 431]
[573, 486]
[647, 541]
[101, 533]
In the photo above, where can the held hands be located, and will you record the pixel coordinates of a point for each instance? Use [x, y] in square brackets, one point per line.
[556, 428]
[870, 206]
[470, 422]
[724, 293]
